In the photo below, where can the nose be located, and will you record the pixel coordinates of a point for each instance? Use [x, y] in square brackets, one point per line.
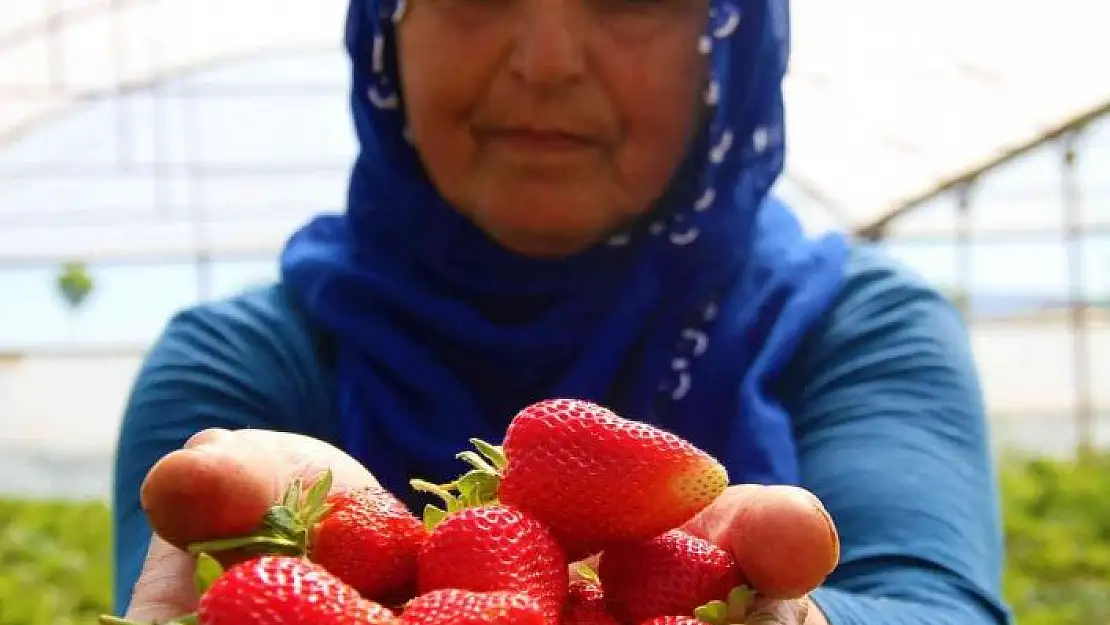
[548, 47]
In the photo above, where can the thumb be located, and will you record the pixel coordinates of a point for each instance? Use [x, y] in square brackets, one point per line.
[164, 590]
[782, 538]
[223, 482]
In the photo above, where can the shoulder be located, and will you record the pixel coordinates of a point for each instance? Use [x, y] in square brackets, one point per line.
[266, 314]
[884, 302]
[256, 349]
[887, 326]
[876, 282]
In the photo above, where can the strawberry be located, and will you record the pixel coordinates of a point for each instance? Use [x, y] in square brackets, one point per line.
[586, 605]
[451, 606]
[592, 476]
[495, 548]
[673, 573]
[733, 609]
[275, 590]
[283, 590]
[370, 540]
[364, 536]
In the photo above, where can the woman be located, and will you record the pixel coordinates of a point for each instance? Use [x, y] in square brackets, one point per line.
[570, 198]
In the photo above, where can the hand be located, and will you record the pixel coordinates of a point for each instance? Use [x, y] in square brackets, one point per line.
[220, 485]
[784, 542]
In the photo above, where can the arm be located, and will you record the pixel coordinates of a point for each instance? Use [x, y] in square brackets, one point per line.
[215, 366]
[893, 438]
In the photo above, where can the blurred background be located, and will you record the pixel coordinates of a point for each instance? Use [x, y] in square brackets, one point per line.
[156, 153]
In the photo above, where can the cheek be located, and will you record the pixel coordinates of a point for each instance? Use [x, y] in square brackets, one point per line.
[440, 95]
[660, 105]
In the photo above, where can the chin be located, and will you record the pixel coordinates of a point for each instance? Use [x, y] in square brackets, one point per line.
[544, 244]
[561, 224]
[551, 238]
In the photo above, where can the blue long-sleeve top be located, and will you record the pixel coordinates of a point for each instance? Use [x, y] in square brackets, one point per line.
[887, 411]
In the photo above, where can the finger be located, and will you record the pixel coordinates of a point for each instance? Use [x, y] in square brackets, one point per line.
[163, 592]
[775, 612]
[781, 536]
[223, 482]
[714, 523]
[206, 436]
[214, 488]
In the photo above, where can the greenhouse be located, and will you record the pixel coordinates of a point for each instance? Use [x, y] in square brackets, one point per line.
[158, 153]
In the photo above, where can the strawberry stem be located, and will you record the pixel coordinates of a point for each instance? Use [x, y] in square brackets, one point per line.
[272, 543]
[494, 453]
[286, 527]
[476, 461]
[443, 491]
[734, 609]
[586, 572]
[433, 516]
[208, 570]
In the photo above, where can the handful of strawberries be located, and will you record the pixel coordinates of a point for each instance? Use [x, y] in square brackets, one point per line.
[572, 481]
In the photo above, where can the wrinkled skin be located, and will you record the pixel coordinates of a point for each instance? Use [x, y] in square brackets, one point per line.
[621, 80]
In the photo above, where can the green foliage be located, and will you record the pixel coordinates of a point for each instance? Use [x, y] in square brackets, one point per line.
[74, 283]
[1057, 518]
[55, 557]
[55, 563]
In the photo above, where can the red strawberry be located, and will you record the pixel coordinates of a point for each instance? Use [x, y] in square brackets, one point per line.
[370, 540]
[673, 573]
[586, 605]
[452, 606]
[275, 590]
[495, 548]
[282, 590]
[364, 536]
[594, 477]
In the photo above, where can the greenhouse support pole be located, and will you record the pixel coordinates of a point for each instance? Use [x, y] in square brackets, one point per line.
[964, 245]
[1077, 298]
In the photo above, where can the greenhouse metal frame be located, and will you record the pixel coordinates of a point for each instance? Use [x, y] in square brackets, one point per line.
[894, 109]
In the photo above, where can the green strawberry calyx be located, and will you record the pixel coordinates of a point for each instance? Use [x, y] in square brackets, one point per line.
[286, 528]
[477, 487]
[207, 572]
[732, 610]
[586, 572]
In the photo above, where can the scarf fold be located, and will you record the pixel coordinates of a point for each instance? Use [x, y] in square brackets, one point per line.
[682, 320]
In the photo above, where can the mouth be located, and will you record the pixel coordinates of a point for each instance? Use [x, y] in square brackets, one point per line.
[539, 140]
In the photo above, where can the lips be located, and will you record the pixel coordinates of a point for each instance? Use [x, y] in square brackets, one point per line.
[540, 140]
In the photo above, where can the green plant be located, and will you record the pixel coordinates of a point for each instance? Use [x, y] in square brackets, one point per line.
[55, 563]
[1057, 520]
[75, 284]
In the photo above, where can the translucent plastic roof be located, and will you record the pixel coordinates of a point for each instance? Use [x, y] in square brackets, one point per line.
[106, 118]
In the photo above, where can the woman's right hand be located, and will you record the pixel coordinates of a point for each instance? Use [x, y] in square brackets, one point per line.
[218, 486]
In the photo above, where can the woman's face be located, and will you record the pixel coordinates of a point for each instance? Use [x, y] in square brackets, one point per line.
[550, 123]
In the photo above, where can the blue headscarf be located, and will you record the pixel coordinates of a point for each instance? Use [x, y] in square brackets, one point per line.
[682, 320]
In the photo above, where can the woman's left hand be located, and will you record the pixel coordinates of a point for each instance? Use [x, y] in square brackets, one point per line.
[785, 543]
